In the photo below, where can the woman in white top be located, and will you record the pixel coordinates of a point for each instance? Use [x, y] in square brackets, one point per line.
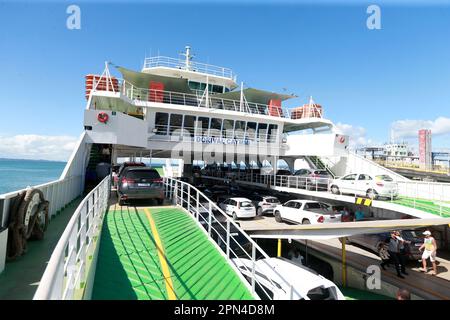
[430, 247]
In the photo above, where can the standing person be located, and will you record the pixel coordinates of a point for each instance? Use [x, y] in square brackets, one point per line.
[394, 253]
[430, 247]
[402, 251]
[359, 214]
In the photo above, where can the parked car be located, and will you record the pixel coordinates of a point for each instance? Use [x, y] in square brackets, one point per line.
[305, 212]
[373, 242]
[238, 208]
[140, 183]
[311, 179]
[362, 184]
[280, 279]
[264, 204]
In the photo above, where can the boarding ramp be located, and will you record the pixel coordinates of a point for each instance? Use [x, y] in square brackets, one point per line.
[183, 251]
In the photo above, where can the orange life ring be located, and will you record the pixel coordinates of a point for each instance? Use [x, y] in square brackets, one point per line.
[103, 117]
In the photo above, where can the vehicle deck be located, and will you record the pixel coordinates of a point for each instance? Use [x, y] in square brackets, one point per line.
[160, 253]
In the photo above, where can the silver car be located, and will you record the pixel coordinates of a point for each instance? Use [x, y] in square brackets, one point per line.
[264, 204]
[310, 179]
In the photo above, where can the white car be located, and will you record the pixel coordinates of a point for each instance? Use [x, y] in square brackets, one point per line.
[305, 212]
[362, 184]
[238, 208]
[280, 279]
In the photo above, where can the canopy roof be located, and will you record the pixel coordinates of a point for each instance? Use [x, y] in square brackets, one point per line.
[254, 95]
[142, 80]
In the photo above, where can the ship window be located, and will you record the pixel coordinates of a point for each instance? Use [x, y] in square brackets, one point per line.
[262, 132]
[202, 126]
[239, 129]
[251, 130]
[217, 89]
[216, 126]
[161, 121]
[227, 89]
[227, 129]
[189, 125]
[272, 133]
[194, 85]
[176, 122]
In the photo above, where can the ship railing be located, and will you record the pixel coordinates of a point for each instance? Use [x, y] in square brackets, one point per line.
[66, 276]
[59, 193]
[170, 133]
[162, 61]
[186, 99]
[432, 197]
[225, 232]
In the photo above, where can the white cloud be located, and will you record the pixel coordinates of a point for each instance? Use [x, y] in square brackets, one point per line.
[31, 146]
[357, 134]
[404, 129]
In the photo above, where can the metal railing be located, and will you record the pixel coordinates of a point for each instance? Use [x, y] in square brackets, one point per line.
[223, 231]
[179, 98]
[162, 61]
[67, 271]
[419, 195]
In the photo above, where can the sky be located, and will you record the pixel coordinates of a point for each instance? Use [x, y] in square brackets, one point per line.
[369, 82]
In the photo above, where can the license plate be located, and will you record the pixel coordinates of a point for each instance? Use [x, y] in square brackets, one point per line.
[143, 184]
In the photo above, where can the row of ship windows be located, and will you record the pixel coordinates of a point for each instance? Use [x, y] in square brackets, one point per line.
[211, 87]
[167, 124]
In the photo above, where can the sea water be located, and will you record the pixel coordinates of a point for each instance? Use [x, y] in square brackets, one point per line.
[17, 174]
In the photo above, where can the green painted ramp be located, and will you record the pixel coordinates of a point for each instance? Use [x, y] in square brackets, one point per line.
[161, 253]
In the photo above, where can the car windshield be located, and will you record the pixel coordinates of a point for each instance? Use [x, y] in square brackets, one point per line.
[321, 172]
[246, 204]
[272, 200]
[142, 174]
[384, 177]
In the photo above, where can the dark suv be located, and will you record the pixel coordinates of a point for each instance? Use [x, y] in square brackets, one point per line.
[140, 183]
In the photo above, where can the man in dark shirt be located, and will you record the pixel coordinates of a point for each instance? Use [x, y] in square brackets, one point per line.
[394, 247]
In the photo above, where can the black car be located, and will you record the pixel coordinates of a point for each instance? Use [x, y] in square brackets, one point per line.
[140, 183]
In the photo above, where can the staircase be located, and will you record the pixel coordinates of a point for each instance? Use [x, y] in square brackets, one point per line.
[95, 157]
[317, 163]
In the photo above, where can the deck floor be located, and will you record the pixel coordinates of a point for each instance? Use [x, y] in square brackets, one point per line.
[160, 253]
[21, 277]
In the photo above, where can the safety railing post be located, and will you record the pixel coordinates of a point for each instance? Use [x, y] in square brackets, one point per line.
[197, 205]
[209, 217]
[253, 267]
[189, 198]
[228, 239]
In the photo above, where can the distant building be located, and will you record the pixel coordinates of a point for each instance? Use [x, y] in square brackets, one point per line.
[425, 156]
[396, 149]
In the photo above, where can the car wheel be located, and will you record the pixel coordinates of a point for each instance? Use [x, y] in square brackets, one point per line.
[372, 194]
[234, 216]
[259, 211]
[306, 221]
[277, 216]
[335, 190]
